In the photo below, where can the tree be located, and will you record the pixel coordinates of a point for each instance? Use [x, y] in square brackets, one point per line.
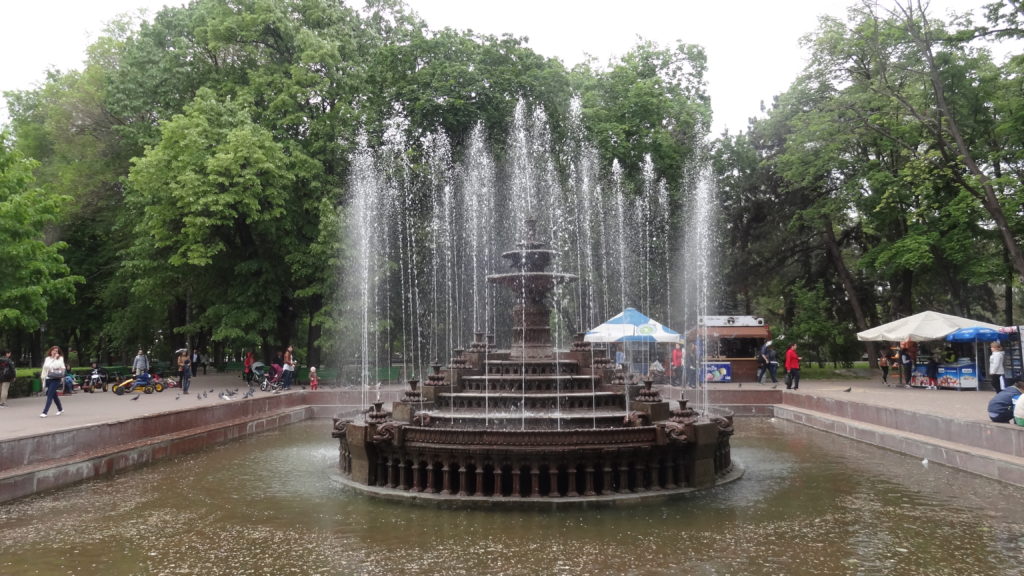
[207, 203]
[652, 101]
[34, 274]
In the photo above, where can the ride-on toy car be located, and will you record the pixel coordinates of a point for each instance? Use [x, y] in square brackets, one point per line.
[142, 381]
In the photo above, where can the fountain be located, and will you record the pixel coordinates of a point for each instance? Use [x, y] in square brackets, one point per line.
[532, 423]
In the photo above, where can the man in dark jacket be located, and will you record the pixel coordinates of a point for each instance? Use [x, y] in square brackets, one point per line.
[1000, 407]
[7, 374]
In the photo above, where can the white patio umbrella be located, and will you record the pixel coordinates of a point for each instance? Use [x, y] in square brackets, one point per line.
[924, 326]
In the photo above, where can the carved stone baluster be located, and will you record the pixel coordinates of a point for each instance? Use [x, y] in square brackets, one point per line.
[655, 475]
[463, 477]
[623, 477]
[446, 474]
[516, 487]
[497, 480]
[572, 481]
[553, 473]
[590, 480]
[431, 488]
[641, 485]
[416, 487]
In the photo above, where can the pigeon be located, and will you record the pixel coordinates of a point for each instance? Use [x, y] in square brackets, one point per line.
[211, 390]
[204, 394]
[136, 397]
[178, 397]
[924, 462]
[774, 386]
[224, 396]
[739, 384]
[850, 389]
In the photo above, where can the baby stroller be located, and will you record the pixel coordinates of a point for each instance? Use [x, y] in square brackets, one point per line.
[268, 379]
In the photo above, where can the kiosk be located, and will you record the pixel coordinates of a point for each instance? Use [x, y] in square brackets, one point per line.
[731, 347]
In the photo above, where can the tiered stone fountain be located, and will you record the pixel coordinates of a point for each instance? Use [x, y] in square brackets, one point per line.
[532, 423]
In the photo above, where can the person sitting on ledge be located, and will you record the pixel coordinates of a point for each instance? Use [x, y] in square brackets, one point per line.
[1000, 407]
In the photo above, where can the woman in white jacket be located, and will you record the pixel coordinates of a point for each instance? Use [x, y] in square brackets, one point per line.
[53, 372]
[995, 367]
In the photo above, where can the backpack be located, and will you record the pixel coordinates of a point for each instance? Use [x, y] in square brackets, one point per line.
[6, 370]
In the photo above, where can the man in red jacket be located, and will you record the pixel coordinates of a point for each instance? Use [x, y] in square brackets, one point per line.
[792, 368]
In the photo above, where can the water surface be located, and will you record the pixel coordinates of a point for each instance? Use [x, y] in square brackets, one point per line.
[810, 503]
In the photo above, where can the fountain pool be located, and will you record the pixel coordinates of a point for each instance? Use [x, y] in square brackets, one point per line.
[810, 503]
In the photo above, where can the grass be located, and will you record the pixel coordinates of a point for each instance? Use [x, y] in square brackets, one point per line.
[859, 371]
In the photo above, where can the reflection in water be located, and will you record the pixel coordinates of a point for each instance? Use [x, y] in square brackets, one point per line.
[810, 503]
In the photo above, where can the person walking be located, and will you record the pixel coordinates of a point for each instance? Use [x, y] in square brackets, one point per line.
[140, 364]
[995, 367]
[773, 364]
[883, 363]
[196, 359]
[289, 368]
[906, 365]
[247, 368]
[762, 362]
[792, 368]
[7, 375]
[184, 370]
[53, 373]
[677, 365]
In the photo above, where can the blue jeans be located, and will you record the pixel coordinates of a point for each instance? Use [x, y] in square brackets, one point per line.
[52, 385]
[287, 379]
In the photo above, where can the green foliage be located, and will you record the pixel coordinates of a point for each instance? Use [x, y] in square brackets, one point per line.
[816, 329]
[35, 274]
[195, 169]
[652, 101]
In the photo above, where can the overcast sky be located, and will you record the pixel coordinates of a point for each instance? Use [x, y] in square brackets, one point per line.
[752, 45]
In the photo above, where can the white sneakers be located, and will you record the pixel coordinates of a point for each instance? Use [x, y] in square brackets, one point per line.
[59, 412]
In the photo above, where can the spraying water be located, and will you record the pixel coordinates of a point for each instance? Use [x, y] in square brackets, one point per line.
[428, 221]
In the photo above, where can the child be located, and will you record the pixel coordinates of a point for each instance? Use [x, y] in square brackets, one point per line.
[314, 382]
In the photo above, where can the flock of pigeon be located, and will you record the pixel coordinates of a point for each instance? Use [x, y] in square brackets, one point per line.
[225, 395]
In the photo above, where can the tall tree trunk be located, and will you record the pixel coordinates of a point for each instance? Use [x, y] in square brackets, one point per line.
[828, 236]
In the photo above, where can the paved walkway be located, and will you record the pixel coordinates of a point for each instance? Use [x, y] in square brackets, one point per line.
[21, 416]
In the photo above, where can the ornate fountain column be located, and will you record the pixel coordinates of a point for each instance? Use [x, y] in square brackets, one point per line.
[530, 285]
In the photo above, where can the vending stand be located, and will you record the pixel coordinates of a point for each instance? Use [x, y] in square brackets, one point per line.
[729, 346]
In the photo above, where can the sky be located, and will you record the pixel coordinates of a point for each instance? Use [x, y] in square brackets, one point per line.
[752, 46]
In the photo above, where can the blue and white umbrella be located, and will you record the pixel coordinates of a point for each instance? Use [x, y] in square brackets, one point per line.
[631, 326]
[976, 334]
